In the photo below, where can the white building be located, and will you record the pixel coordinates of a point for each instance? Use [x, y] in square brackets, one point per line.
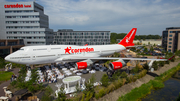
[70, 37]
[25, 20]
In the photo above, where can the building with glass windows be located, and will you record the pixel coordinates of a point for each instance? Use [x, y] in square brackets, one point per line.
[70, 37]
[8, 46]
[25, 20]
[171, 39]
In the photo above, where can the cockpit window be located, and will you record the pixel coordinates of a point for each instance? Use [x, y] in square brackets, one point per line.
[21, 49]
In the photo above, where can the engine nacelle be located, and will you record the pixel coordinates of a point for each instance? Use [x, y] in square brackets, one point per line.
[117, 64]
[81, 65]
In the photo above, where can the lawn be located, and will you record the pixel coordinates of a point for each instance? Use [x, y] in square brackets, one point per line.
[5, 76]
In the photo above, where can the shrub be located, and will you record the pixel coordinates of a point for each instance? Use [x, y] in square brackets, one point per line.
[145, 66]
[97, 96]
[116, 84]
[110, 88]
[83, 96]
[157, 84]
[129, 79]
[155, 65]
[101, 92]
[166, 62]
[135, 70]
[123, 75]
[161, 63]
[105, 80]
[89, 95]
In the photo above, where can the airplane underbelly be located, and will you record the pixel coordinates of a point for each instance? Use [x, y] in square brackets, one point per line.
[107, 53]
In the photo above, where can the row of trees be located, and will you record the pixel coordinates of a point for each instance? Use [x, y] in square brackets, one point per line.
[31, 85]
[115, 36]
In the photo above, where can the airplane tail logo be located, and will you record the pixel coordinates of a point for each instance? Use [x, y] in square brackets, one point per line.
[128, 39]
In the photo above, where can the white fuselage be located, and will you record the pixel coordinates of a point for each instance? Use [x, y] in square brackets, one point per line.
[51, 53]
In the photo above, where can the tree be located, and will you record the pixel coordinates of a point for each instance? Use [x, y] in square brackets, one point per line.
[161, 63]
[61, 95]
[151, 49]
[105, 80]
[47, 94]
[145, 49]
[123, 74]
[145, 66]
[31, 85]
[2, 63]
[89, 85]
[155, 65]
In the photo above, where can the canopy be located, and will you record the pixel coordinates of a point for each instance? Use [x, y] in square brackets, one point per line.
[71, 79]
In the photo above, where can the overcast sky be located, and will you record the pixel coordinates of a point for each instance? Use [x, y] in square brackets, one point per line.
[148, 16]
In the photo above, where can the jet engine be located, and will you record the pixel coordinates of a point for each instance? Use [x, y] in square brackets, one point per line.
[117, 64]
[83, 64]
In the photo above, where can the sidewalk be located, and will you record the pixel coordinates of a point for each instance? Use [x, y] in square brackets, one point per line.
[6, 83]
[113, 96]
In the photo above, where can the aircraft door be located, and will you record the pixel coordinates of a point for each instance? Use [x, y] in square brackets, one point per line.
[58, 55]
[33, 57]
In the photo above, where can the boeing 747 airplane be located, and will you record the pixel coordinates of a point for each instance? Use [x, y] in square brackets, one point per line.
[84, 56]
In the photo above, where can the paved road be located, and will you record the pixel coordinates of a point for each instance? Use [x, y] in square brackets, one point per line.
[15, 71]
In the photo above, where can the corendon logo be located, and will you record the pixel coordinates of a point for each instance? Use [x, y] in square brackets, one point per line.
[127, 39]
[17, 6]
[80, 50]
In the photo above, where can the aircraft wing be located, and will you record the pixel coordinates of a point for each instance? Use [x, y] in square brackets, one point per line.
[108, 58]
[134, 46]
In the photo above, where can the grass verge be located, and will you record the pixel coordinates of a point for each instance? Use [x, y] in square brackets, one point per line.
[145, 89]
[5, 76]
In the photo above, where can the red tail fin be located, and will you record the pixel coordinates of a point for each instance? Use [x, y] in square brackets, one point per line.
[128, 39]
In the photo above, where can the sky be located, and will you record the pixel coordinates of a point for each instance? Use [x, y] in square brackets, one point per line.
[120, 16]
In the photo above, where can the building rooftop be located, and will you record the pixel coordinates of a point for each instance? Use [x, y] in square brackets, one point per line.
[172, 28]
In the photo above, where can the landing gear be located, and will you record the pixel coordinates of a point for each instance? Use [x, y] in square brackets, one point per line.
[110, 73]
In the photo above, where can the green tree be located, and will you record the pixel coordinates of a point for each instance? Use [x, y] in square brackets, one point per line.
[2, 63]
[161, 63]
[145, 66]
[145, 49]
[135, 70]
[151, 49]
[47, 94]
[61, 95]
[89, 85]
[123, 75]
[105, 80]
[155, 65]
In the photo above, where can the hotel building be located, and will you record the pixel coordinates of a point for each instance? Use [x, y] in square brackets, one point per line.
[25, 20]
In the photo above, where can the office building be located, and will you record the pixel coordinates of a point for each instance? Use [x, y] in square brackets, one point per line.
[25, 20]
[70, 37]
[8, 46]
[171, 39]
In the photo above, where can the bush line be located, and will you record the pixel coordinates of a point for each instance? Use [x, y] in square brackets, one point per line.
[145, 89]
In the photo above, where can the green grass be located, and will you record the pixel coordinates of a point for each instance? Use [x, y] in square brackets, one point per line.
[145, 89]
[5, 76]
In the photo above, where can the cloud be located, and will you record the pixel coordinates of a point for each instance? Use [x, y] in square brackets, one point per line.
[150, 17]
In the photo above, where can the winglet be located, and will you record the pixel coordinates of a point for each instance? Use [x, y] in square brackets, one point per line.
[171, 57]
[128, 39]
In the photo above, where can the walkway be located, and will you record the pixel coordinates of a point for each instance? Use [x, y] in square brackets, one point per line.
[6, 83]
[113, 96]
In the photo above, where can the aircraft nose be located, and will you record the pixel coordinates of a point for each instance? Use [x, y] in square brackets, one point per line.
[7, 58]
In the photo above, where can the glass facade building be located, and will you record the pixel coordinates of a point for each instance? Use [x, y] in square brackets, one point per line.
[25, 20]
[171, 39]
[70, 37]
